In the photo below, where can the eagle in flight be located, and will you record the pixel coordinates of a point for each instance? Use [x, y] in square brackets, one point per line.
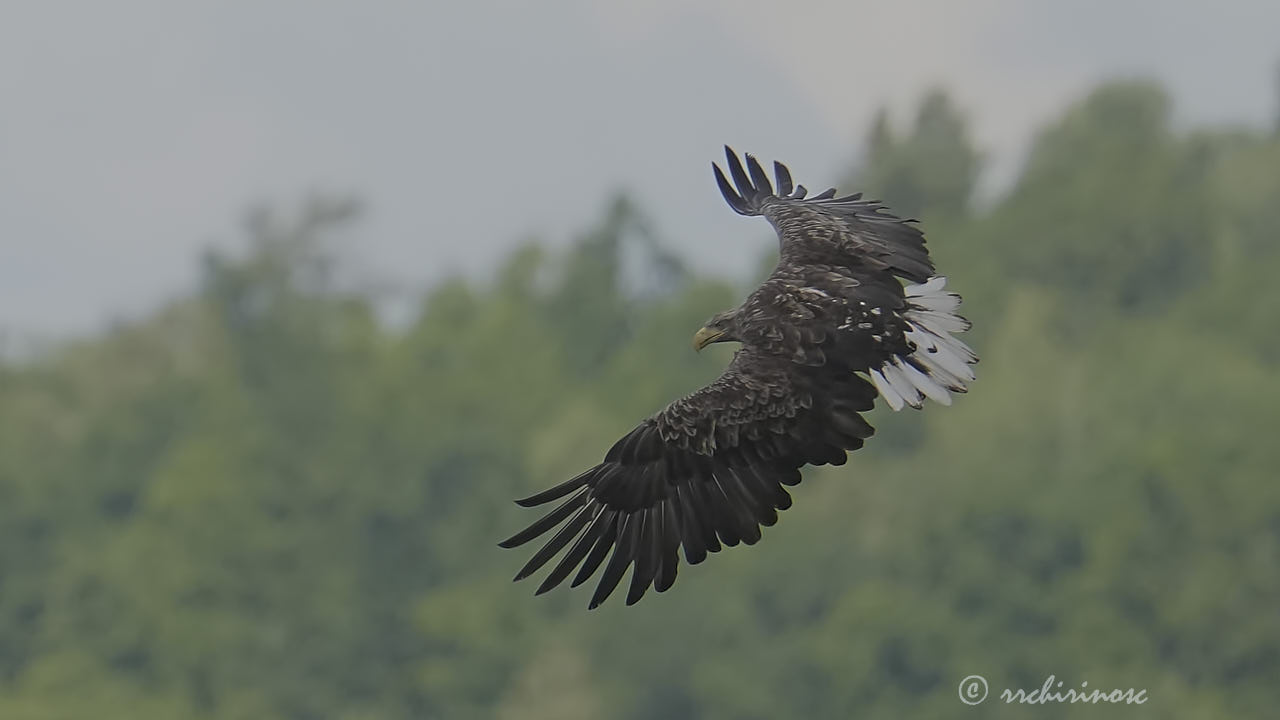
[831, 328]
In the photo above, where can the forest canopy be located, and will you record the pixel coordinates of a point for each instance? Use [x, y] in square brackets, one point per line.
[263, 501]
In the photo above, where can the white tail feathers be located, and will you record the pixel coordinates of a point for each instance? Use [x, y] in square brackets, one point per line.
[939, 365]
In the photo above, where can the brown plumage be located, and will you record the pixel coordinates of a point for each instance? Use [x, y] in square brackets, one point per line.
[712, 468]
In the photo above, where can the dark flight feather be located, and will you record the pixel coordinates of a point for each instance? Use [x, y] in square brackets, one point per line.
[823, 227]
[783, 176]
[829, 331]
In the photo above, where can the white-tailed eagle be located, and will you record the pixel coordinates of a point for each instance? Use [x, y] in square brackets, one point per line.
[831, 328]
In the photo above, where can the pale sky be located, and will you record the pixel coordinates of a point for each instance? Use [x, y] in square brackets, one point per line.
[134, 134]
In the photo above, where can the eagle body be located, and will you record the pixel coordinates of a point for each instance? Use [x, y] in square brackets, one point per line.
[832, 328]
[820, 314]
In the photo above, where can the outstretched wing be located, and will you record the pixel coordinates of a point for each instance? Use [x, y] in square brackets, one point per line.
[824, 228]
[709, 470]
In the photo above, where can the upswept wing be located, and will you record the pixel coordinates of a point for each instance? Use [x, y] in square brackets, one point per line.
[836, 292]
[709, 470]
[824, 228]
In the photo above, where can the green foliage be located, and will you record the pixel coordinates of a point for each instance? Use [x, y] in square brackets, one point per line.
[1112, 207]
[261, 502]
[929, 173]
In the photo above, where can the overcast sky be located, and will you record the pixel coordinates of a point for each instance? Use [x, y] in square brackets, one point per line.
[132, 134]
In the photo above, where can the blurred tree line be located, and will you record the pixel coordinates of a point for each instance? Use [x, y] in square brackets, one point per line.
[261, 502]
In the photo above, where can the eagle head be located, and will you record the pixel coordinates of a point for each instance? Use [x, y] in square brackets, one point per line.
[722, 327]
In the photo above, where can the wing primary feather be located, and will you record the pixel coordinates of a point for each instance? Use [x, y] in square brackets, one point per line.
[775, 485]
[769, 488]
[598, 552]
[648, 555]
[789, 475]
[618, 563]
[744, 507]
[758, 177]
[547, 522]
[717, 510]
[670, 546]
[783, 501]
[730, 196]
[556, 543]
[800, 192]
[767, 499]
[825, 194]
[737, 511]
[708, 519]
[694, 534]
[740, 179]
[783, 176]
[559, 491]
[579, 550]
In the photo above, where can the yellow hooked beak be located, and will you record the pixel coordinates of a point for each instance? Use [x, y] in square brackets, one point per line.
[705, 337]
